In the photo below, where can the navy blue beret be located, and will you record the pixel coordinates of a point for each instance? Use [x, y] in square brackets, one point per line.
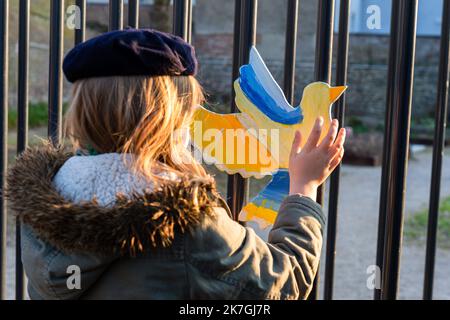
[131, 52]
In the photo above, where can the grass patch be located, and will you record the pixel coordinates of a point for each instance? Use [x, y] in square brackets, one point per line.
[37, 115]
[357, 125]
[424, 122]
[416, 225]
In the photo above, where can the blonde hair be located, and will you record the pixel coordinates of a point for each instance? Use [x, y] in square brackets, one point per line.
[137, 115]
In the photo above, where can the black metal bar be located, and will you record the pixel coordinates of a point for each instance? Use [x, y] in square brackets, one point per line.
[133, 13]
[245, 30]
[4, 6]
[322, 72]
[23, 66]
[400, 113]
[339, 111]
[438, 146]
[324, 40]
[80, 33]
[182, 10]
[290, 51]
[190, 22]
[249, 9]
[235, 180]
[55, 71]
[324, 50]
[387, 142]
[22, 123]
[115, 14]
[236, 49]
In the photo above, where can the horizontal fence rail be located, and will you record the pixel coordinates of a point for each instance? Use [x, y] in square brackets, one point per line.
[397, 122]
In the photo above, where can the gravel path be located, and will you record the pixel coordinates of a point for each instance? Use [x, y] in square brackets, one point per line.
[357, 232]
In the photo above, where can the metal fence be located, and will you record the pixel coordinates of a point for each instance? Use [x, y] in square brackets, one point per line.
[397, 122]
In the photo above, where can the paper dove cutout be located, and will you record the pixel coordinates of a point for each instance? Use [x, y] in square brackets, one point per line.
[257, 141]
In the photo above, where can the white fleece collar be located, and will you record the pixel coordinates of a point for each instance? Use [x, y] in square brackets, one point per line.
[82, 178]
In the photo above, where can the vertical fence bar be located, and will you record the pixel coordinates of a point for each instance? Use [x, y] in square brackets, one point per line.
[400, 112]
[245, 30]
[80, 31]
[324, 50]
[339, 111]
[236, 41]
[190, 22]
[438, 146]
[235, 180]
[387, 142]
[291, 48]
[249, 9]
[115, 14]
[133, 13]
[23, 66]
[181, 18]
[4, 137]
[55, 71]
[324, 40]
[322, 72]
[22, 123]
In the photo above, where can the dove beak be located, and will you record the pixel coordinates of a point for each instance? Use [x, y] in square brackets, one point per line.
[336, 92]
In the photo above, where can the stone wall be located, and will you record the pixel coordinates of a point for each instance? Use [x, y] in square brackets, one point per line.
[368, 58]
[213, 40]
[367, 74]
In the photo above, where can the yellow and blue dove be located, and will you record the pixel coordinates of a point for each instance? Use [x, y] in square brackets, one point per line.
[256, 142]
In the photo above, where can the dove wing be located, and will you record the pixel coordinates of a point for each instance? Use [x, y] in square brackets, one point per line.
[225, 141]
[267, 81]
[257, 85]
[242, 142]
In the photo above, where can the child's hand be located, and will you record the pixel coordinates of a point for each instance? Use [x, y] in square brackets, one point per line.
[310, 166]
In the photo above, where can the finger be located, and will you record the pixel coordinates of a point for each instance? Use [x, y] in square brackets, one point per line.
[340, 140]
[296, 144]
[331, 135]
[338, 144]
[337, 159]
[314, 136]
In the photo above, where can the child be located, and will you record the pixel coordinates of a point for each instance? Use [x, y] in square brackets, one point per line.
[123, 218]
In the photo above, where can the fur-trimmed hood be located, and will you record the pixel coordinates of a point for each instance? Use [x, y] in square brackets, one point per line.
[133, 224]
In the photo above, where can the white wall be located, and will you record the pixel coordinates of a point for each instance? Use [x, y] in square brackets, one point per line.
[428, 20]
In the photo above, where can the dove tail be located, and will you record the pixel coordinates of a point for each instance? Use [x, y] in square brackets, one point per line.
[263, 208]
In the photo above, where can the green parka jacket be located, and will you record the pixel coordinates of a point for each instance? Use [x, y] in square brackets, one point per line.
[176, 241]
